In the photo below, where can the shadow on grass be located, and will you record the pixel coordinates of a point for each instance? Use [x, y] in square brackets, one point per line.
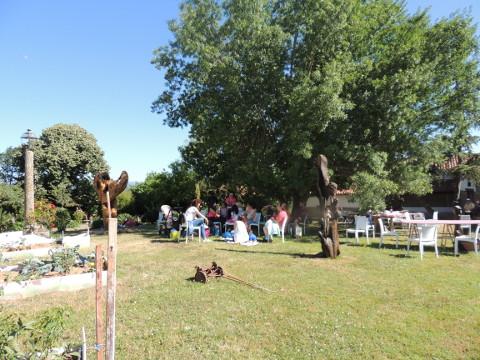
[401, 256]
[385, 246]
[165, 241]
[296, 255]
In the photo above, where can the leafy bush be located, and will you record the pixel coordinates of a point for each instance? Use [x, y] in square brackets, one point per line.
[97, 224]
[124, 217]
[73, 224]
[11, 198]
[47, 329]
[33, 339]
[125, 201]
[10, 329]
[45, 213]
[79, 215]
[64, 259]
[62, 219]
[7, 221]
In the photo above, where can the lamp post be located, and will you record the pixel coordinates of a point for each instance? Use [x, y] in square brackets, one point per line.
[27, 141]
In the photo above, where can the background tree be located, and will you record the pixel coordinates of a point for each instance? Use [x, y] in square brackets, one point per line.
[266, 85]
[66, 158]
[175, 188]
[12, 166]
[11, 207]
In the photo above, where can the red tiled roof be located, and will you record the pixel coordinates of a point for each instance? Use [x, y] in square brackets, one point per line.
[455, 160]
[450, 163]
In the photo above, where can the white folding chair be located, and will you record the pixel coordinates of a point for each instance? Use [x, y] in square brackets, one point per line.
[361, 223]
[468, 238]
[385, 232]
[427, 236]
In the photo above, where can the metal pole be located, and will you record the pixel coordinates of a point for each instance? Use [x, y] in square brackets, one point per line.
[111, 287]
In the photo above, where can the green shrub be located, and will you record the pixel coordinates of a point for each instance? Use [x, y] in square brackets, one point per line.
[17, 226]
[97, 224]
[62, 219]
[45, 213]
[73, 224]
[20, 339]
[124, 217]
[6, 221]
[10, 329]
[79, 215]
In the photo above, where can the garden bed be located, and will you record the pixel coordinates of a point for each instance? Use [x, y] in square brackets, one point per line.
[33, 252]
[28, 288]
[64, 270]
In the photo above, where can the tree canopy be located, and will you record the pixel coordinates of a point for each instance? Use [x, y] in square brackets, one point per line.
[175, 188]
[66, 158]
[263, 86]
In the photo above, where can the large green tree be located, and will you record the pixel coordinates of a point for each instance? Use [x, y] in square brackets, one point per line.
[175, 187]
[66, 159]
[266, 85]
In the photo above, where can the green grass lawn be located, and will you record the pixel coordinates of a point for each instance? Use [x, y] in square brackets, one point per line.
[367, 304]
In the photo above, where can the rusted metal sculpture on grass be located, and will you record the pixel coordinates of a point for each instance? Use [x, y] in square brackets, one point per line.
[326, 192]
[202, 275]
[108, 191]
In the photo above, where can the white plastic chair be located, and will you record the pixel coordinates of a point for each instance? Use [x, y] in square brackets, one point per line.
[406, 216]
[197, 228]
[465, 227]
[361, 223]
[282, 230]
[385, 232]
[468, 238]
[160, 220]
[427, 237]
[256, 222]
[371, 228]
[418, 216]
[219, 223]
[305, 219]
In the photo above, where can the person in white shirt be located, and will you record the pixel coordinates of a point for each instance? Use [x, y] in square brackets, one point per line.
[194, 217]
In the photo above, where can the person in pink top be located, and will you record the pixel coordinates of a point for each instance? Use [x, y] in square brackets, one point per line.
[281, 214]
[230, 200]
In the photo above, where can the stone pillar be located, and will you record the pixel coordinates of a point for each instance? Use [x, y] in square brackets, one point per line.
[29, 188]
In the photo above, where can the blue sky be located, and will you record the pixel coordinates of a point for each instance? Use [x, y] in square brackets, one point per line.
[88, 62]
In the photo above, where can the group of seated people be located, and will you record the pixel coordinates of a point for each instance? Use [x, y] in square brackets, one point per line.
[231, 213]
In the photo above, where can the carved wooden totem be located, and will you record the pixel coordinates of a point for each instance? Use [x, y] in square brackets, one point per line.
[104, 184]
[326, 191]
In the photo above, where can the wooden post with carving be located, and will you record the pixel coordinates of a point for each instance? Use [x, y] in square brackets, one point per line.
[326, 192]
[111, 287]
[99, 332]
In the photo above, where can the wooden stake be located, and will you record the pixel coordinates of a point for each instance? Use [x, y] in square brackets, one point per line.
[108, 205]
[111, 287]
[100, 343]
[84, 344]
